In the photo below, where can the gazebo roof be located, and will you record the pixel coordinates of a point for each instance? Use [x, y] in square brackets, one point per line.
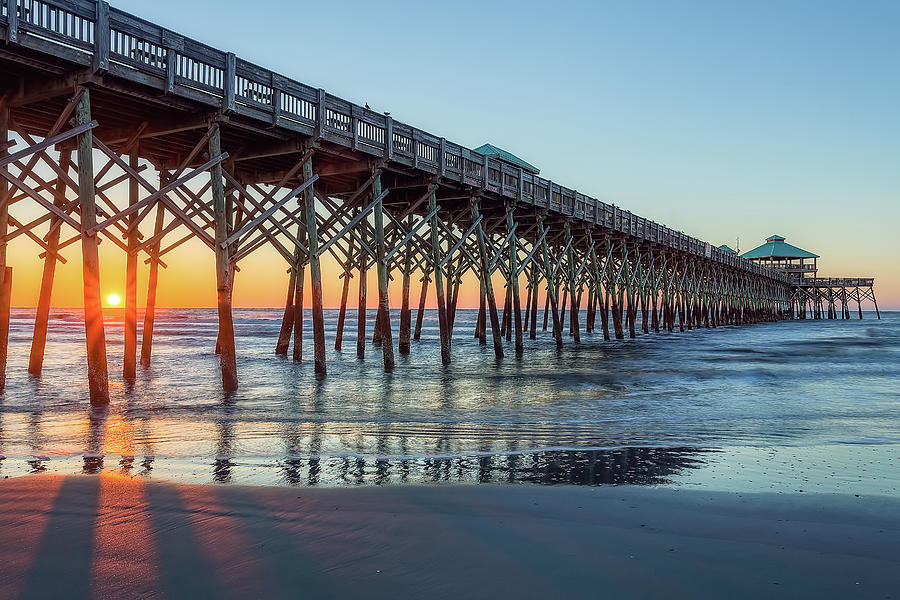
[495, 152]
[727, 248]
[775, 247]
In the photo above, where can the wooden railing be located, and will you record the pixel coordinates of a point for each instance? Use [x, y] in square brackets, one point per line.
[89, 32]
[837, 282]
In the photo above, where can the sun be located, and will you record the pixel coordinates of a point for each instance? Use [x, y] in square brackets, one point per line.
[113, 300]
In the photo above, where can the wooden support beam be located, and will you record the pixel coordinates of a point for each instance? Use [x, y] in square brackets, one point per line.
[573, 294]
[227, 357]
[514, 280]
[129, 365]
[342, 313]
[443, 323]
[152, 280]
[486, 278]
[287, 319]
[361, 307]
[535, 282]
[5, 272]
[405, 313]
[300, 266]
[551, 287]
[384, 308]
[420, 313]
[42, 315]
[315, 269]
[98, 378]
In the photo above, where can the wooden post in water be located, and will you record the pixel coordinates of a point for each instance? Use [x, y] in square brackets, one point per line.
[152, 280]
[535, 287]
[486, 277]
[5, 272]
[551, 286]
[573, 294]
[342, 313]
[562, 306]
[361, 306]
[617, 305]
[129, 363]
[300, 267]
[514, 280]
[420, 313]
[527, 313]
[405, 311]
[227, 357]
[384, 307]
[438, 279]
[454, 298]
[287, 320]
[98, 375]
[506, 319]
[546, 307]
[589, 317]
[42, 317]
[315, 271]
[481, 321]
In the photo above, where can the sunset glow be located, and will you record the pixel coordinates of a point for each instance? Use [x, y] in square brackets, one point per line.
[113, 300]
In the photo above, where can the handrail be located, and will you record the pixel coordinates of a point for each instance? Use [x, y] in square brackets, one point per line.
[128, 46]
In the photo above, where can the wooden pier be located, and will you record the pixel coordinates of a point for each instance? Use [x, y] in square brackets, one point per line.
[823, 297]
[274, 162]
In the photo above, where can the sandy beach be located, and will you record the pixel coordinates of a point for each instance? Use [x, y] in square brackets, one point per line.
[113, 537]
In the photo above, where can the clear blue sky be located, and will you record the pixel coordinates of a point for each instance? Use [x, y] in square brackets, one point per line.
[722, 119]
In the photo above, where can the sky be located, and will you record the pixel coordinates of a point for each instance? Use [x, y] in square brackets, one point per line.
[726, 120]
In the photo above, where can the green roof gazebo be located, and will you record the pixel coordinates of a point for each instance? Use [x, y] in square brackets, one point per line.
[778, 254]
[507, 157]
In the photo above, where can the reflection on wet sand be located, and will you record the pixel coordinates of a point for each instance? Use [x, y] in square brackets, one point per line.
[635, 466]
[382, 457]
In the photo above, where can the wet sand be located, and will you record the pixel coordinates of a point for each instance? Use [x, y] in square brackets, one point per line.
[113, 537]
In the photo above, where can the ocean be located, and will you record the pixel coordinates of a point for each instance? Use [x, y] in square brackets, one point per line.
[790, 406]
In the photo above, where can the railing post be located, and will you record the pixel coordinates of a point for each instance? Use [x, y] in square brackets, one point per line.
[12, 20]
[276, 98]
[173, 43]
[389, 137]
[320, 113]
[520, 193]
[101, 37]
[442, 159]
[228, 91]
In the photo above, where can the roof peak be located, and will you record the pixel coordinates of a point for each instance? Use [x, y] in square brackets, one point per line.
[497, 152]
[776, 247]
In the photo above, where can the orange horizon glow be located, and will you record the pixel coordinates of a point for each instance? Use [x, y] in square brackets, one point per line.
[189, 281]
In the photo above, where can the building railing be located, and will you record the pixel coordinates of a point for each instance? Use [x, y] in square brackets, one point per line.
[90, 33]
